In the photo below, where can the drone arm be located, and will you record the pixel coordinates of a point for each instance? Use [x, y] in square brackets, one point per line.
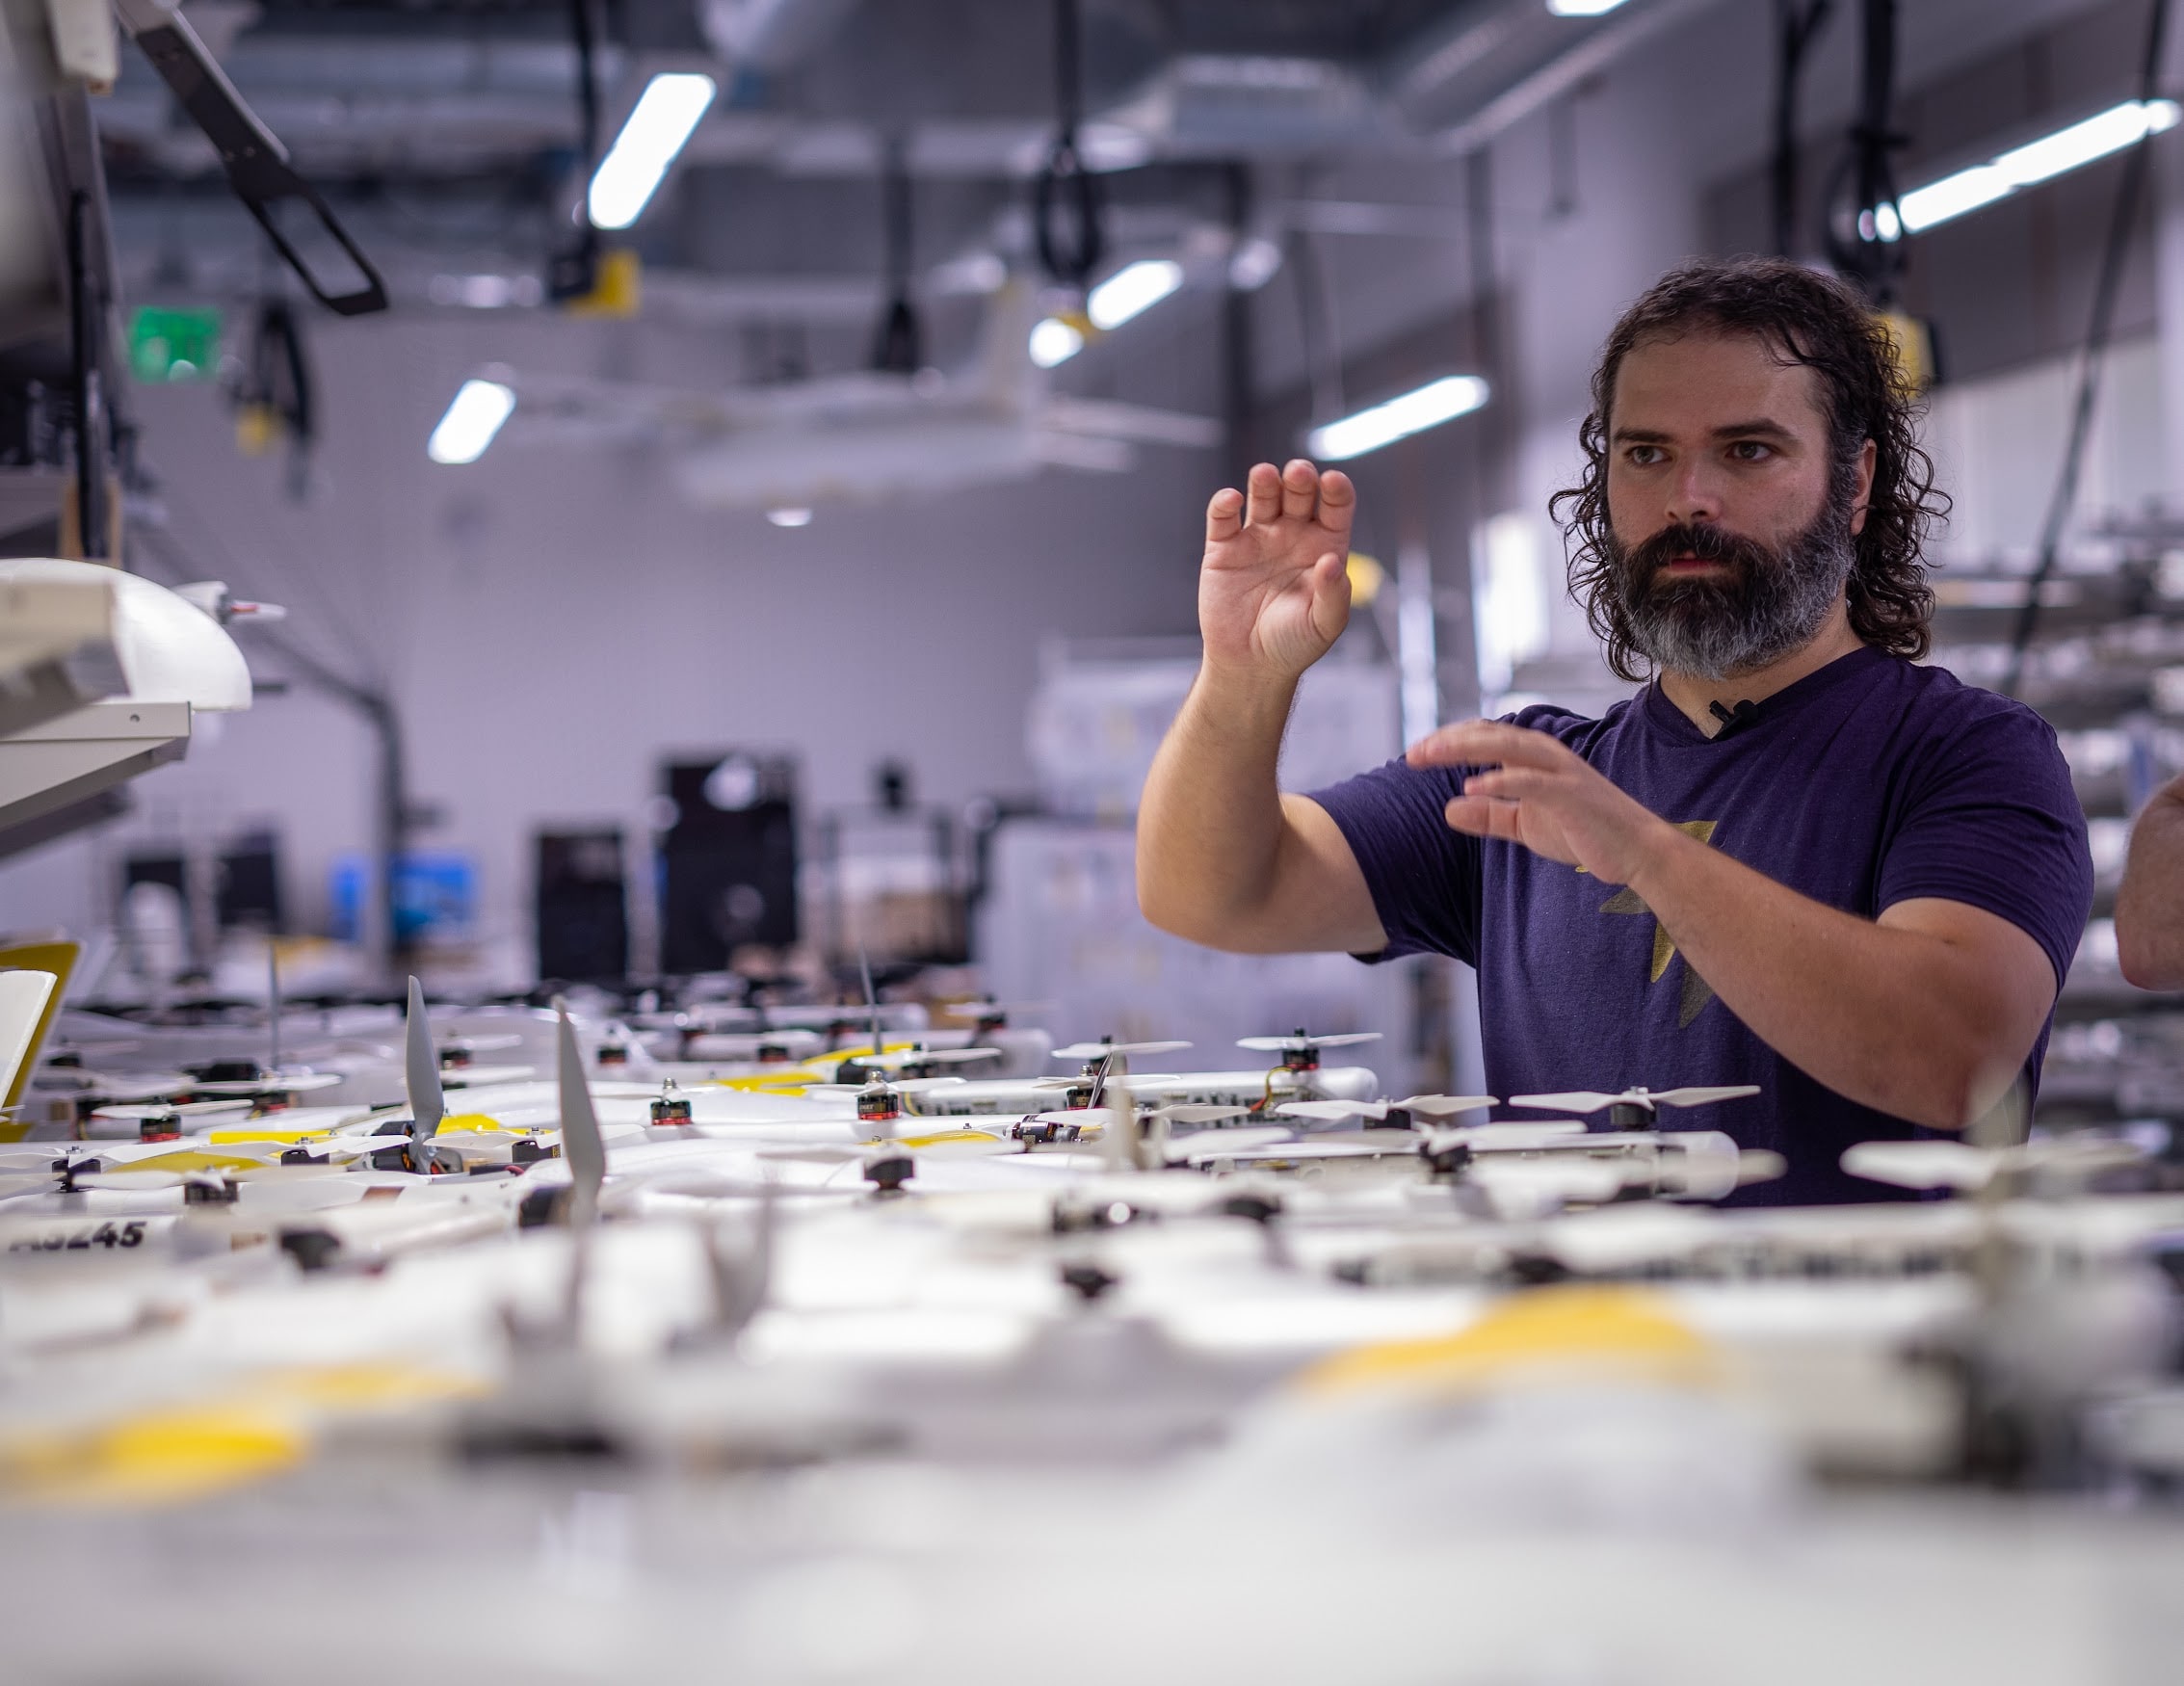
[2149, 909]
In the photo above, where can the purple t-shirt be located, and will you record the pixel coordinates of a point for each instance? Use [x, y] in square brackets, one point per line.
[1867, 784]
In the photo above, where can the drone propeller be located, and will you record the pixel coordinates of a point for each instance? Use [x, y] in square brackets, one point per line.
[1101, 1050]
[187, 1109]
[272, 1083]
[1445, 1106]
[1588, 1100]
[581, 1143]
[900, 1085]
[1960, 1165]
[1189, 1113]
[904, 1058]
[1304, 1040]
[421, 1071]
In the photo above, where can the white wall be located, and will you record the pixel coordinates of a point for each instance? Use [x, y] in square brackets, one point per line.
[551, 623]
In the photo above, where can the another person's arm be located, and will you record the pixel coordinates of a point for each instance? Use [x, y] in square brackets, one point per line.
[1927, 1013]
[1223, 857]
[2149, 909]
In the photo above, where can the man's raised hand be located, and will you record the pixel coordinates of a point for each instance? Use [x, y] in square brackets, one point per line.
[1274, 594]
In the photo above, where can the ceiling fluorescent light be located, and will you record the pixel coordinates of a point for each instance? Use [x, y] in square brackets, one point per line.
[665, 116]
[1132, 290]
[1582, 8]
[2111, 131]
[472, 421]
[1430, 406]
[1054, 341]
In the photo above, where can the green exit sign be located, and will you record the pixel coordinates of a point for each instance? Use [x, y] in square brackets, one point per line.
[167, 344]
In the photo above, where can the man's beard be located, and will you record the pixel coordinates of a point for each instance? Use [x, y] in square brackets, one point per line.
[1769, 600]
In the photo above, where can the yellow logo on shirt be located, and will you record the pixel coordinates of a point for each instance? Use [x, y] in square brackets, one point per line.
[1696, 990]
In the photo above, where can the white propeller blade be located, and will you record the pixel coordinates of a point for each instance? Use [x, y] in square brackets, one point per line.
[1921, 1165]
[581, 1144]
[1279, 1044]
[1702, 1096]
[1333, 1109]
[421, 1070]
[1442, 1106]
[1101, 1050]
[1187, 1113]
[1592, 1100]
[273, 1083]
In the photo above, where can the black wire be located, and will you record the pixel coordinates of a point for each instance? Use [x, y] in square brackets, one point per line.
[898, 347]
[83, 316]
[1798, 24]
[2121, 220]
[1072, 260]
[1875, 259]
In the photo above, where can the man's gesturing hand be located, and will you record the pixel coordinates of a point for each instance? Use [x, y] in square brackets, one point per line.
[1273, 594]
[1537, 791]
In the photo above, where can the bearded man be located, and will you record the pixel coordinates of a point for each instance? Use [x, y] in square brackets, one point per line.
[1795, 858]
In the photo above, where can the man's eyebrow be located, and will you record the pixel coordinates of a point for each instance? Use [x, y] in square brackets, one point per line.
[1751, 430]
[1761, 429]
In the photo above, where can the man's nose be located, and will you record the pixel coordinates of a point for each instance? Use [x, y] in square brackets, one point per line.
[1694, 495]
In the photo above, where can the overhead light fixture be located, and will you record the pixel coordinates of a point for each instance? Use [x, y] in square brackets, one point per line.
[666, 115]
[788, 515]
[472, 421]
[1055, 341]
[2057, 154]
[1132, 290]
[1582, 8]
[1254, 263]
[1430, 406]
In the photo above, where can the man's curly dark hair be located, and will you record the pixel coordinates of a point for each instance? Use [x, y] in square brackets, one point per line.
[1804, 317]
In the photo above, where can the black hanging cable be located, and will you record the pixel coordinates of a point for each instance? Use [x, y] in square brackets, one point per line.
[574, 270]
[2123, 218]
[84, 311]
[898, 347]
[1869, 245]
[1064, 183]
[1796, 24]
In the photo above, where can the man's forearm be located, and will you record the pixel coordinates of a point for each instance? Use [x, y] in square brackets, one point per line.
[1901, 1020]
[2149, 909]
[1210, 823]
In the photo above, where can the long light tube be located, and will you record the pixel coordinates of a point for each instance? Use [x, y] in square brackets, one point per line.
[665, 116]
[1582, 8]
[472, 419]
[1413, 412]
[1132, 290]
[2042, 160]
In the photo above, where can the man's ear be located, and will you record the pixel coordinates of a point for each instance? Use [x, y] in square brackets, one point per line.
[1868, 454]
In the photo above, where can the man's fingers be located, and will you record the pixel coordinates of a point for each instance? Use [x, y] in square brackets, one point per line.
[1511, 784]
[1478, 816]
[1299, 490]
[1338, 498]
[1480, 741]
[1263, 505]
[1330, 595]
[1224, 516]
